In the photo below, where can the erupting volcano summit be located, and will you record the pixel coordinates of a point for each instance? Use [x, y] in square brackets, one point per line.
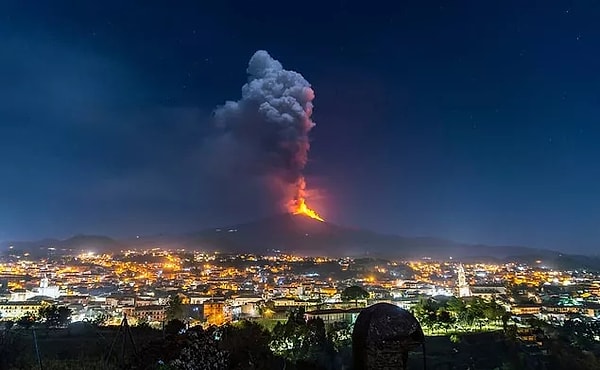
[269, 126]
[302, 209]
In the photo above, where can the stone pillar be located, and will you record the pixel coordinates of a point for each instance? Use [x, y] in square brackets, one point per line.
[383, 336]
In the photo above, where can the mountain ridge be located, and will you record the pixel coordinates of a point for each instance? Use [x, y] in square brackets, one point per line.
[303, 236]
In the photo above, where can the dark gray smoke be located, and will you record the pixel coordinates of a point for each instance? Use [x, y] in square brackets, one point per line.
[265, 133]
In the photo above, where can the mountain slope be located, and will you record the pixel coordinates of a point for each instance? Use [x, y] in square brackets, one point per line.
[305, 236]
[296, 234]
[77, 243]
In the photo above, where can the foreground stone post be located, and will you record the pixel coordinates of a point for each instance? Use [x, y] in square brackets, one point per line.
[382, 337]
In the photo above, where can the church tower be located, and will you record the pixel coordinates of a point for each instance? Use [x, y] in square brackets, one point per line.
[44, 282]
[463, 287]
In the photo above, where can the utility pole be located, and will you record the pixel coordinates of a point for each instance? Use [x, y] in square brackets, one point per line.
[125, 333]
[37, 349]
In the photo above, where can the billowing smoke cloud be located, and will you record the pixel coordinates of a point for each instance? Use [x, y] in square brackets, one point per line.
[265, 133]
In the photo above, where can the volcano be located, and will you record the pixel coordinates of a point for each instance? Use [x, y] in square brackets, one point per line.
[302, 235]
[286, 232]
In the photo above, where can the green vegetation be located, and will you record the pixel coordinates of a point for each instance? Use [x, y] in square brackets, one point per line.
[174, 310]
[299, 340]
[174, 327]
[55, 317]
[458, 315]
[466, 334]
[26, 321]
[354, 293]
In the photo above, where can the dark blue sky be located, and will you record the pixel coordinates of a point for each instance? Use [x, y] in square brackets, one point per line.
[476, 122]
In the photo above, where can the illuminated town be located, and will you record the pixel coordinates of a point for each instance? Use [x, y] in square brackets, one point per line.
[218, 288]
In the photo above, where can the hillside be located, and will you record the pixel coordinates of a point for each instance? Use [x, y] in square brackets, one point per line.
[302, 235]
[305, 236]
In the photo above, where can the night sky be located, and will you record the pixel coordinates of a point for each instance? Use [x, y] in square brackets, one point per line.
[476, 121]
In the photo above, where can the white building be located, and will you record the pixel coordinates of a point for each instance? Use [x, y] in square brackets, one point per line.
[463, 287]
[15, 310]
[45, 289]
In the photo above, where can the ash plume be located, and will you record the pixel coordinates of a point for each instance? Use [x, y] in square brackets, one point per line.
[265, 133]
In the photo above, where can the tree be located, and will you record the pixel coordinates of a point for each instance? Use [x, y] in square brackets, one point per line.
[288, 338]
[456, 306]
[64, 316]
[493, 311]
[318, 347]
[426, 312]
[54, 316]
[354, 293]
[444, 318]
[303, 341]
[196, 350]
[248, 346]
[174, 327]
[26, 321]
[474, 311]
[505, 317]
[174, 310]
[143, 326]
[101, 320]
[340, 334]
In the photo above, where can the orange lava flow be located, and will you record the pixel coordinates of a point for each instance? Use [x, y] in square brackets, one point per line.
[300, 208]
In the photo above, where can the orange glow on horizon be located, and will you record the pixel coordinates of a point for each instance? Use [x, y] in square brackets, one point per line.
[300, 208]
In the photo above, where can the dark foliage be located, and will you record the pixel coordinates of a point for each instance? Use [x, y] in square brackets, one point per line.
[174, 327]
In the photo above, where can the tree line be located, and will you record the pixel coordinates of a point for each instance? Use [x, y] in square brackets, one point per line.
[458, 313]
[51, 316]
[296, 343]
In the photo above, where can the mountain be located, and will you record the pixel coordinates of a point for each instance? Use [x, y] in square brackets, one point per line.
[77, 243]
[305, 236]
[302, 235]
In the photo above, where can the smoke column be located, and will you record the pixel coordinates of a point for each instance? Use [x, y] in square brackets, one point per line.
[269, 126]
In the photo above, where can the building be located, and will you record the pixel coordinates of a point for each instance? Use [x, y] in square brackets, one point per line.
[487, 292]
[246, 306]
[521, 310]
[47, 290]
[330, 316]
[3, 286]
[591, 309]
[200, 299]
[150, 313]
[214, 312]
[463, 287]
[120, 300]
[145, 302]
[287, 302]
[15, 310]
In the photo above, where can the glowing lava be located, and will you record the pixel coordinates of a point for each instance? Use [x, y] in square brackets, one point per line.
[300, 208]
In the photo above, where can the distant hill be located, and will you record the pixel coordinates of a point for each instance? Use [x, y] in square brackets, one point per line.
[305, 236]
[77, 243]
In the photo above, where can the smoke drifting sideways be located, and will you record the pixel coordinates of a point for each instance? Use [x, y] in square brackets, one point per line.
[263, 137]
